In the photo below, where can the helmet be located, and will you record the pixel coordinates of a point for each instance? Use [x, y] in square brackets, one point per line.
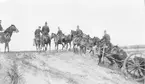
[104, 31]
[77, 26]
[58, 28]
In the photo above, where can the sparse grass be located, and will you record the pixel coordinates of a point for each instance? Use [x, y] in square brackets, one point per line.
[13, 74]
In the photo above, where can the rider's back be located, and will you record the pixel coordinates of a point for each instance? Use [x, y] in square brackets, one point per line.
[37, 32]
[45, 29]
[106, 37]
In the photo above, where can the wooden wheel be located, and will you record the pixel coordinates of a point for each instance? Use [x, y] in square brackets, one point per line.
[134, 66]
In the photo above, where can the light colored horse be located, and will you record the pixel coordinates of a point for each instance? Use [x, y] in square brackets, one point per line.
[57, 41]
[5, 37]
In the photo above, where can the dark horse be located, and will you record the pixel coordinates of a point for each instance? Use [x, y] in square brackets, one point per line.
[5, 37]
[45, 41]
[67, 40]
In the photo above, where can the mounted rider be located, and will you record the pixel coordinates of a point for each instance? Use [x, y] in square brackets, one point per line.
[60, 33]
[37, 34]
[106, 42]
[45, 30]
[79, 32]
[1, 28]
[106, 37]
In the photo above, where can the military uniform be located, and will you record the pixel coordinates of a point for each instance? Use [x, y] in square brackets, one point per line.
[79, 32]
[45, 30]
[1, 28]
[106, 38]
[59, 33]
[37, 33]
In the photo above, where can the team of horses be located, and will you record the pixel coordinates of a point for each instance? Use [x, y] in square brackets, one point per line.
[80, 44]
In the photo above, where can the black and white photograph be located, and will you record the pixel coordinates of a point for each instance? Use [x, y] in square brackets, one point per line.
[72, 41]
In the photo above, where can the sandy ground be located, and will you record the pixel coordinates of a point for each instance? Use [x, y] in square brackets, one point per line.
[58, 68]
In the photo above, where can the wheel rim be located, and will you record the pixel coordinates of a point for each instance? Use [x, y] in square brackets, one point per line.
[135, 66]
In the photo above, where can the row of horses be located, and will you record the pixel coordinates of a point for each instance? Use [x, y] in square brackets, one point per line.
[96, 46]
[81, 43]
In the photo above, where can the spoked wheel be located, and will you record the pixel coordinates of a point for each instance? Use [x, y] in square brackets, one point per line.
[134, 66]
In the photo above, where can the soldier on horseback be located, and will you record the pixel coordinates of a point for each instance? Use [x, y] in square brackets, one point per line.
[59, 33]
[79, 32]
[1, 28]
[106, 37]
[37, 34]
[45, 30]
[104, 46]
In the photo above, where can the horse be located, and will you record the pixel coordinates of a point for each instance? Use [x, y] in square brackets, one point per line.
[73, 33]
[5, 37]
[76, 43]
[38, 43]
[67, 40]
[93, 43]
[83, 45]
[81, 42]
[75, 40]
[57, 40]
[45, 41]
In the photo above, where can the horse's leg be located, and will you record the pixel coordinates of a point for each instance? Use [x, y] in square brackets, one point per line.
[100, 57]
[66, 46]
[62, 46]
[74, 48]
[8, 46]
[80, 49]
[5, 47]
[84, 49]
[46, 47]
[49, 46]
[103, 54]
[57, 45]
[70, 45]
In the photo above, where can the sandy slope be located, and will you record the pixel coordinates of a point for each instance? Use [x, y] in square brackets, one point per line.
[59, 68]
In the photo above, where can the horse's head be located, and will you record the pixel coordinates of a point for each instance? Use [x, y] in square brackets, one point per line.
[96, 39]
[73, 33]
[14, 29]
[53, 35]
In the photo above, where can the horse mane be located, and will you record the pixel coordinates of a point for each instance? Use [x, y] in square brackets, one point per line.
[9, 28]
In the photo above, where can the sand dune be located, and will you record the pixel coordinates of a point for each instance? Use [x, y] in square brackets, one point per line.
[58, 68]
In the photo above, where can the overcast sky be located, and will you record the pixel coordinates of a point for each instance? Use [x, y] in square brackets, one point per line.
[124, 20]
